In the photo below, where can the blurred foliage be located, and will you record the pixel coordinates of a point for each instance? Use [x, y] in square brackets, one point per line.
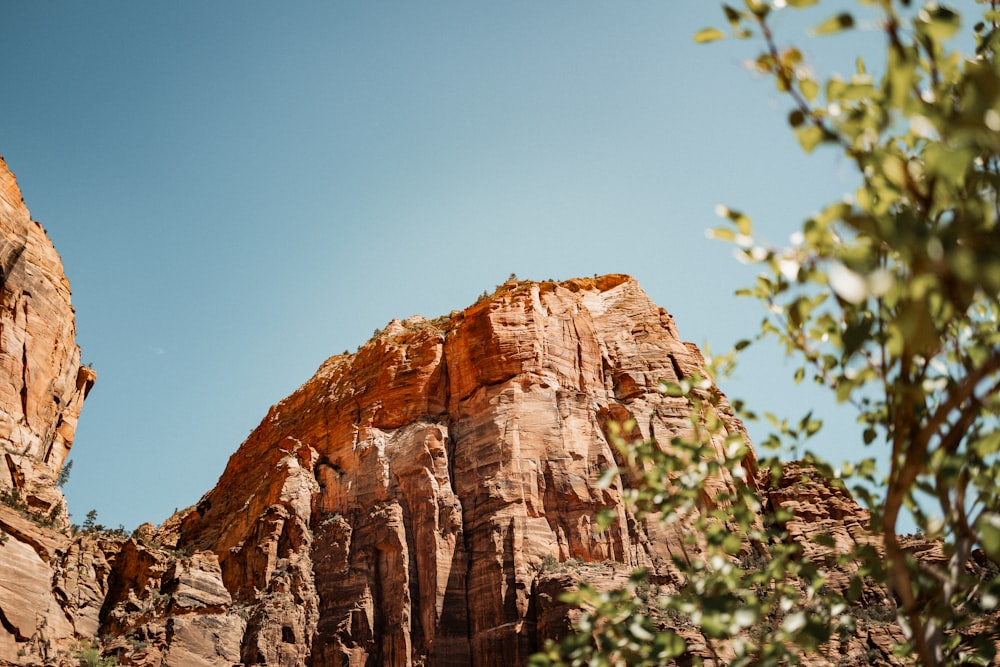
[889, 299]
[88, 654]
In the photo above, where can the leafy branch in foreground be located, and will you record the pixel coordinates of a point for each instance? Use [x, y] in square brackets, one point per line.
[890, 298]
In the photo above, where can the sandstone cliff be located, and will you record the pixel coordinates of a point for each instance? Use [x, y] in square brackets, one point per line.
[405, 498]
[42, 390]
[44, 384]
[421, 502]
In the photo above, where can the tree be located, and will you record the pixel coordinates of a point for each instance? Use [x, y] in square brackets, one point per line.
[64, 474]
[891, 299]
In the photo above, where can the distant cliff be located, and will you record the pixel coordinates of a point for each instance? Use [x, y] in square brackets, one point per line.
[421, 502]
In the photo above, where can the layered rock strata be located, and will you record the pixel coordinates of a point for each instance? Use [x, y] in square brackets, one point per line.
[397, 509]
[42, 388]
[424, 501]
[44, 384]
[411, 492]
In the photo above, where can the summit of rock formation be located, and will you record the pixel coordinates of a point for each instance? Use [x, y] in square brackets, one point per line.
[405, 498]
[423, 501]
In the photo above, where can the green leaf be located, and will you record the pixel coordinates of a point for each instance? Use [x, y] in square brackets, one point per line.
[743, 223]
[855, 335]
[894, 170]
[902, 70]
[605, 518]
[834, 24]
[916, 324]
[988, 444]
[824, 540]
[722, 234]
[731, 544]
[607, 477]
[758, 8]
[672, 389]
[938, 23]
[671, 644]
[989, 532]
[809, 88]
[799, 4]
[809, 137]
[733, 16]
[949, 163]
[706, 35]
[740, 219]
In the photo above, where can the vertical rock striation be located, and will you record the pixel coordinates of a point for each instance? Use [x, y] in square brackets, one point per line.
[45, 385]
[42, 388]
[410, 493]
[421, 502]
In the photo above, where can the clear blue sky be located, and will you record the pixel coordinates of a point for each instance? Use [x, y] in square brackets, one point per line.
[239, 190]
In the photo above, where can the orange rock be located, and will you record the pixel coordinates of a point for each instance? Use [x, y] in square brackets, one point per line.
[442, 464]
[422, 502]
[44, 384]
[42, 388]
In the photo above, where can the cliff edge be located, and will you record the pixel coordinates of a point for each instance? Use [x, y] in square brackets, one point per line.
[402, 502]
[42, 390]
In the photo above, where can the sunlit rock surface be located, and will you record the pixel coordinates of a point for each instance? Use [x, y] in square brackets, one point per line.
[410, 492]
[424, 501]
[44, 384]
[42, 388]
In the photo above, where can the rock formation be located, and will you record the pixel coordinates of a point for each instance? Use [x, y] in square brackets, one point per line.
[44, 384]
[406, 496]
[41, 392]
[421, 502]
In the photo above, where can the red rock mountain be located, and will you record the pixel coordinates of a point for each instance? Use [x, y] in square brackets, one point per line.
[405, 506]
[404, 499]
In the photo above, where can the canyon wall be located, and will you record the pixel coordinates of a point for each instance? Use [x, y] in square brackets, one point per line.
[44, 384]
[42, 388]
[421, 502]
[411, 492]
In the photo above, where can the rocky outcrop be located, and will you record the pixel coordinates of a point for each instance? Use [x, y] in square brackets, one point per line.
[411, 492]
[42, 388]
[396, 509]
[44, 384]
[424, 501]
